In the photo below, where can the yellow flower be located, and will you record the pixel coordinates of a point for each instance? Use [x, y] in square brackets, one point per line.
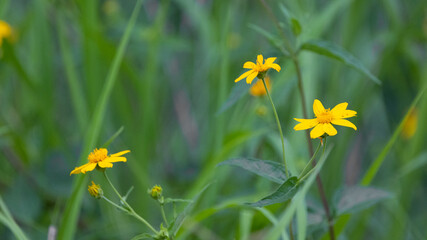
[258, 88]
[155, 192]
[324, 118]
[410, 125]
[95, 190]
[258, 69]
[5, 31]
[100, 158]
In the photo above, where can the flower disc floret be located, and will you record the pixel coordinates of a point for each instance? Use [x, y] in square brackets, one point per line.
[325, 118]
[100, 158]
[258, 69]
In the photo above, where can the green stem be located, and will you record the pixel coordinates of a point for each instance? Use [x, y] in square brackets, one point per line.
[131, 211]
[115, 205]
[301, 179]
[278, 126]
[163, 214]
[310, 162]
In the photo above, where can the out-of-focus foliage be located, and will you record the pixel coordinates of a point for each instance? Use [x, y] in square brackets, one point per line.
[182, 113]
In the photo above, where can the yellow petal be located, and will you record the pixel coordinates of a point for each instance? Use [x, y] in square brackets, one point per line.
[249, 65]
[340, 107]
[348, 113]
[244, 75]
[275, 67]
[318, 107]
[269, 61]
[329, 129]
[251, 77]
[88, 167]
[115, 159]
[317, 131]
[78, 170]
[259, 59]
[343, 122]
[299, 119]
[119, 153]
[105, 164]
[305, 124]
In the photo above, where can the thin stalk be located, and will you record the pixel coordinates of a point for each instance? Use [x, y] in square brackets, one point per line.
[302, 178]
[115, 205]
[310, 149]
[131, 211]
[310, 162]
[278, 126]
[164, 215]
[291, 232]
[294, 56]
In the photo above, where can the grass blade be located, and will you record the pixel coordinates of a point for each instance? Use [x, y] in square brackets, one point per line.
[376, 164]
[69, 220]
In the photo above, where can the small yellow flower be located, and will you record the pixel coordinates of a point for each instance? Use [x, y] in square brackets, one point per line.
[258, 69]
[324, 118]
[155, 192]
[95, 190]
[100, 158]
[5, 31]
[410, 125]
[258, 88]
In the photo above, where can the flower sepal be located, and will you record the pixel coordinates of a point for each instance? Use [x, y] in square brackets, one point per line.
[163, 234]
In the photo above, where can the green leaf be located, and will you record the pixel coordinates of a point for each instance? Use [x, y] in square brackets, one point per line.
[112, 138]
[415, 164]
[143, 236]
[274, 40]
[270, 170]
[176, 224]
[357, 198]
[175, 200]
[333, 51]
[296, 26]
[239, 90]
[287, 216]
[284, 193]
[7, 219]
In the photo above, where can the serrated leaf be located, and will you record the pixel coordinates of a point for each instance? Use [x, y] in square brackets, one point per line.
[239, 90]
[357, 198]
[270, 170]
[284, 193]
[176, 224]
[333, 51]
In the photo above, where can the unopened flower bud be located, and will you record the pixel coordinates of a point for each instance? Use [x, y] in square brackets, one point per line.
[155, 192]
[95, 190]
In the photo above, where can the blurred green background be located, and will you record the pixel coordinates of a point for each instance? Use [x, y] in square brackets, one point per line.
[178, 70]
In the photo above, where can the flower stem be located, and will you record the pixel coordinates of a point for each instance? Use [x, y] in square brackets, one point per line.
[309, 162]
[115, 205]
[302, 178]
[130, 209]
[163, 214]
[278, 126]
[310, 149]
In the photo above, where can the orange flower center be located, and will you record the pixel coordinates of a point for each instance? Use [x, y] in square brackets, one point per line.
[325, 117]
[98, 155]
